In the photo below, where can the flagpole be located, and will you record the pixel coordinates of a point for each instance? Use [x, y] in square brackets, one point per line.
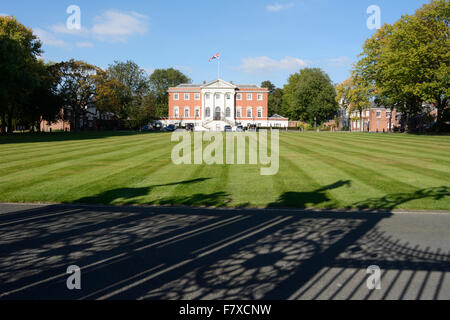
[218, 68]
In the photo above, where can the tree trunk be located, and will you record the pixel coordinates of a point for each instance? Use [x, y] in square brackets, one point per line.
[3, 123]
[10, 123]
[390, 121]
[361, 120]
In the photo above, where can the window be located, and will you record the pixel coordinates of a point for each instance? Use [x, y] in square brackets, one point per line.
[388, 114]
[176, 112]
[228, 96]
[176, 96]
[207, 96]
[187, 96]
[378, 114]
[217, 96]
[186, 112]
[208, 112]
[197, 96]
[367, 113]
[228, 112]
[249, 112]
[260, 97]
[239, 112]
[260, 112]
[197, 112]
[239, 96]
[249, 96]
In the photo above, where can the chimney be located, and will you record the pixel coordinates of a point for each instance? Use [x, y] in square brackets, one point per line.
[231, 81]
[204, 82]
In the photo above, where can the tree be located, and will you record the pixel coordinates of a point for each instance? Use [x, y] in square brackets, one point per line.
[44, 101]
[145, 112]
[310, 96]
[122, 90]
[76, 87]
[112, 96]
[275, 97]
[160, 81]
[407, 63]
[19, 49]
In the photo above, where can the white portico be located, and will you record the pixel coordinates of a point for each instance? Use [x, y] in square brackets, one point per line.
[218, 104]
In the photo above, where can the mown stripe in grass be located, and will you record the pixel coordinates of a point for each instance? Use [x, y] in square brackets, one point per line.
[74, 168]
[66, 155]
[378, 157]
[365, 174]
[62, 150]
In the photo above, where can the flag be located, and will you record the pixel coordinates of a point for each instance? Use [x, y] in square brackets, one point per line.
[216, 56]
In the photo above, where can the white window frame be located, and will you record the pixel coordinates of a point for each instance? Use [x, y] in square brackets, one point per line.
[251, 112]
[176, 96]
[197, 112]
[239, 112]
[378, 114]
[197, 96]
[249, 95]
[207, 96]
[227, 96]
[260, 109]
[260, 97]
[176, 112]
[239, 96]
[217, 96]
[188, 112]
[187, 97]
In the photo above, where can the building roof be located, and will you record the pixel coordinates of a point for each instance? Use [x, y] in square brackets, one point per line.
[277, 116]
[241, 86]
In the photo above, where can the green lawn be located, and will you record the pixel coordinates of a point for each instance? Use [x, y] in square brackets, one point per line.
[321, 170]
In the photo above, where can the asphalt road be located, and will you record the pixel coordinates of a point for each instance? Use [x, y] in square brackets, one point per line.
[178, 253]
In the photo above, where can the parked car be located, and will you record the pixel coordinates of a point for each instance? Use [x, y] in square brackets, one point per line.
[252, 128]
[147, 128]
[228, 129]
[169, 128]
[189, 127]
[239, 129]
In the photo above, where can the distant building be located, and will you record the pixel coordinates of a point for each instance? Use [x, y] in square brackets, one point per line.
[376, 119]
[88, 121]
[214, 105]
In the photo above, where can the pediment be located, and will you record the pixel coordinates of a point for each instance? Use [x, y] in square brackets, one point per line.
[218, 83]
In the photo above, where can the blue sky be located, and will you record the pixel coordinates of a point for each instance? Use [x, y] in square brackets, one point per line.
[258, 39]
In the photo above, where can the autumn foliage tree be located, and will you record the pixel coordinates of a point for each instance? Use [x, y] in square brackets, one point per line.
[408, 63]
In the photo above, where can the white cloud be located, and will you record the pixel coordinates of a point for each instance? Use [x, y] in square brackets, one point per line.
[84, 44]
[62, 28]
[268, 65]
[114, 25]
[279, 6]
[49, 39]
[339, 62]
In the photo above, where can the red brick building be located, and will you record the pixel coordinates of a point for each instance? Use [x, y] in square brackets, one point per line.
[214, 105]
[376, 119]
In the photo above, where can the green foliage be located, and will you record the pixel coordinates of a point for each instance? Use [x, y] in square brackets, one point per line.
[309, 96]
[19, 69]
[275, 98]
[409, 62]
[76, 86]
[160, 81]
